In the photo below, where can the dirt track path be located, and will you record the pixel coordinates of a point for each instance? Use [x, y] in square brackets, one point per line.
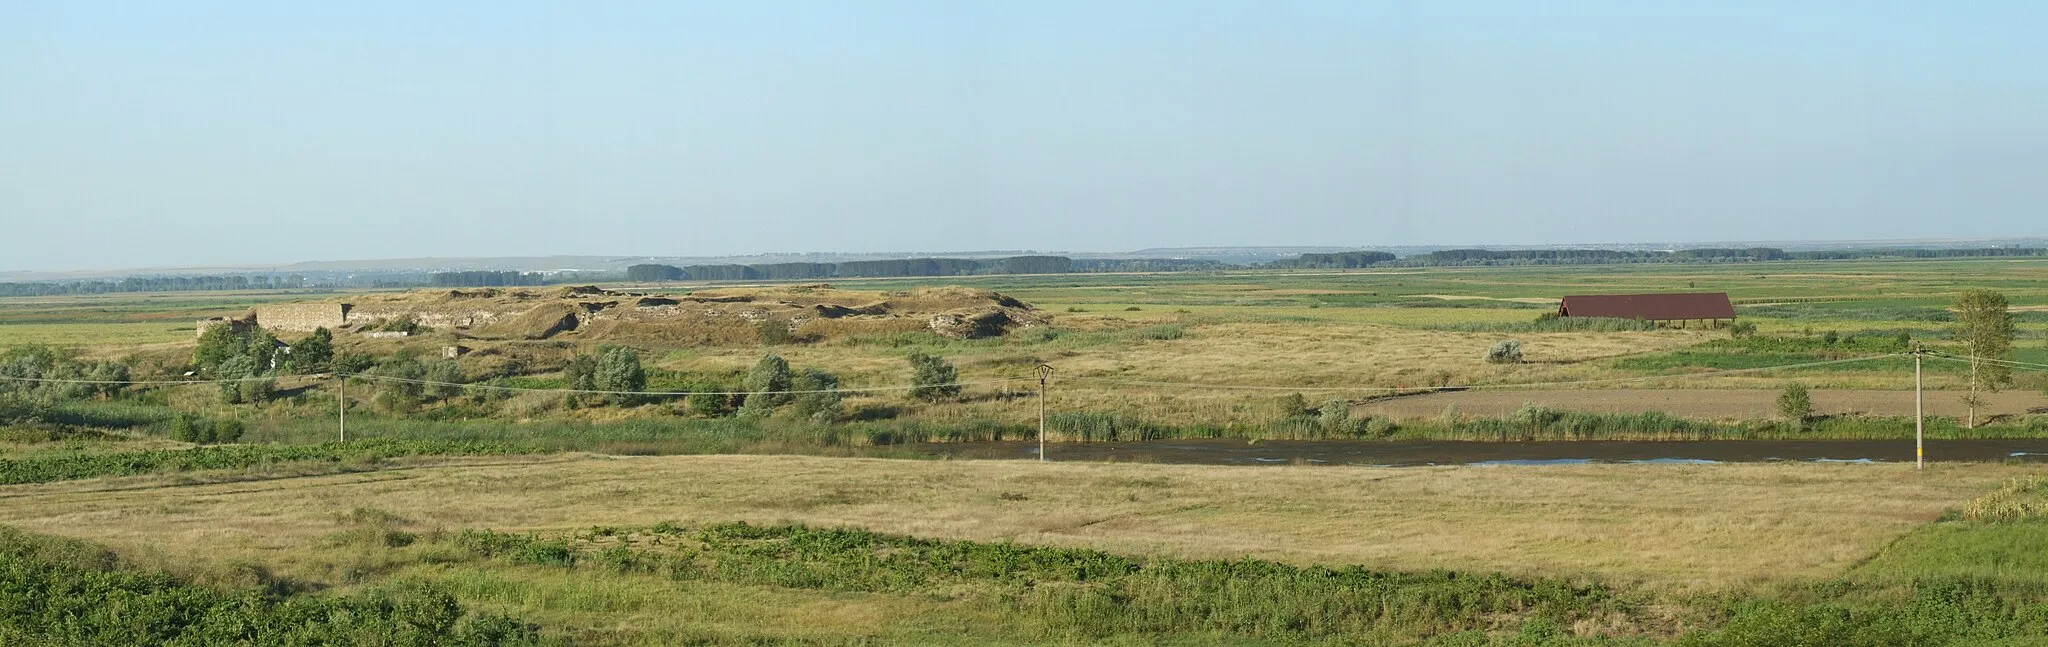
[1702, 403]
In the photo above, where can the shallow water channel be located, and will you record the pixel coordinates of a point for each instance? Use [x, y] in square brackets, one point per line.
[1415, 453]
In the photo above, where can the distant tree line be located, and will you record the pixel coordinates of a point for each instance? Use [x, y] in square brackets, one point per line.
[481, 279]
[1700, 255]
[155, 284]
[1336, 260]
[1602, 256]
[855, 269]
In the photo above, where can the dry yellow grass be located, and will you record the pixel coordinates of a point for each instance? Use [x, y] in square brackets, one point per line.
[1669, 528]
[1272, 354]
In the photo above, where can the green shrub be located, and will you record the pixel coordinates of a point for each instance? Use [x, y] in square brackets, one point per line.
[767, 384]
[1507, 351]
[935, 378]
[774, 332]
[709, 400]
[448, 378]
[1795, 404]
[618, 369]
[821, 403]
[63, 592]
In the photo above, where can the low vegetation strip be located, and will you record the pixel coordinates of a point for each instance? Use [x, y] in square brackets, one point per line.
[65, 467]
[65, 592]
[1077, 593]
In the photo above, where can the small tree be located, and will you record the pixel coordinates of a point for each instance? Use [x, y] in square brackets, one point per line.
[226, 430]
[1335, 417]
[233, 371]
[774, 332]
[262, 347]
[934, 378]
[581, 373]
[820, 402]
[1795, 404]
[218, 344]
[447, 377]
[709, 400]
[766, 386]
[1508, 351]
[353, 363]
[618, 369]
[258, 391]
[1985, 325]
[401, 390]
[314, 352]
[188, 429]
[1294, 406]
[108, 377]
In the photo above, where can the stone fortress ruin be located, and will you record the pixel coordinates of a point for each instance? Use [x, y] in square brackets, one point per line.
[711, 316]
[289, 317]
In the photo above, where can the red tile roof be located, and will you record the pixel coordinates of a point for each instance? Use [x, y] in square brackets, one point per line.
[1653, 307]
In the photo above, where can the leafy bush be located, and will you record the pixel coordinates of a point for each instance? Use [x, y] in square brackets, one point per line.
[194, 429]
[1795, 404]
[448, 378]
[709, 400]
[766, 384]
[821, 404]
[402, 389]
[1741, 329]
[774, 332]
[934, 378]
[1507, 351]
[618, 369]
[314, 352]
[63, 592]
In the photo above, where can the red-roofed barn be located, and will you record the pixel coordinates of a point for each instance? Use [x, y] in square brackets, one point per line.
[1704, 306]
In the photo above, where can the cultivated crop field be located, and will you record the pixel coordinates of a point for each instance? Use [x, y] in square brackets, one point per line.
[549, 485]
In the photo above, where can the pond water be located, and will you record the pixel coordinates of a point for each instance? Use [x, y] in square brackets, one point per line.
[1414, 453]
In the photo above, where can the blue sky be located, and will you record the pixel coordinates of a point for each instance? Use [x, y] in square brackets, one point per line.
[185, 133]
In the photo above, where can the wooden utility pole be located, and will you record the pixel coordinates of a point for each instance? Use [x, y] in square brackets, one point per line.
[1919, 419]
[342, 402]
[1044, 373]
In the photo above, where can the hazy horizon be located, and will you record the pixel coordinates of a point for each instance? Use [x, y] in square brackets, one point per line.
[225, 133]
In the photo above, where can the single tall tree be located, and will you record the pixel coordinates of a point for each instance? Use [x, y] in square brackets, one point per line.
[1985, 325]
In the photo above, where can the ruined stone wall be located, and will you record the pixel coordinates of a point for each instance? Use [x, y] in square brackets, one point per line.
[302, 317]
[431, 318]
